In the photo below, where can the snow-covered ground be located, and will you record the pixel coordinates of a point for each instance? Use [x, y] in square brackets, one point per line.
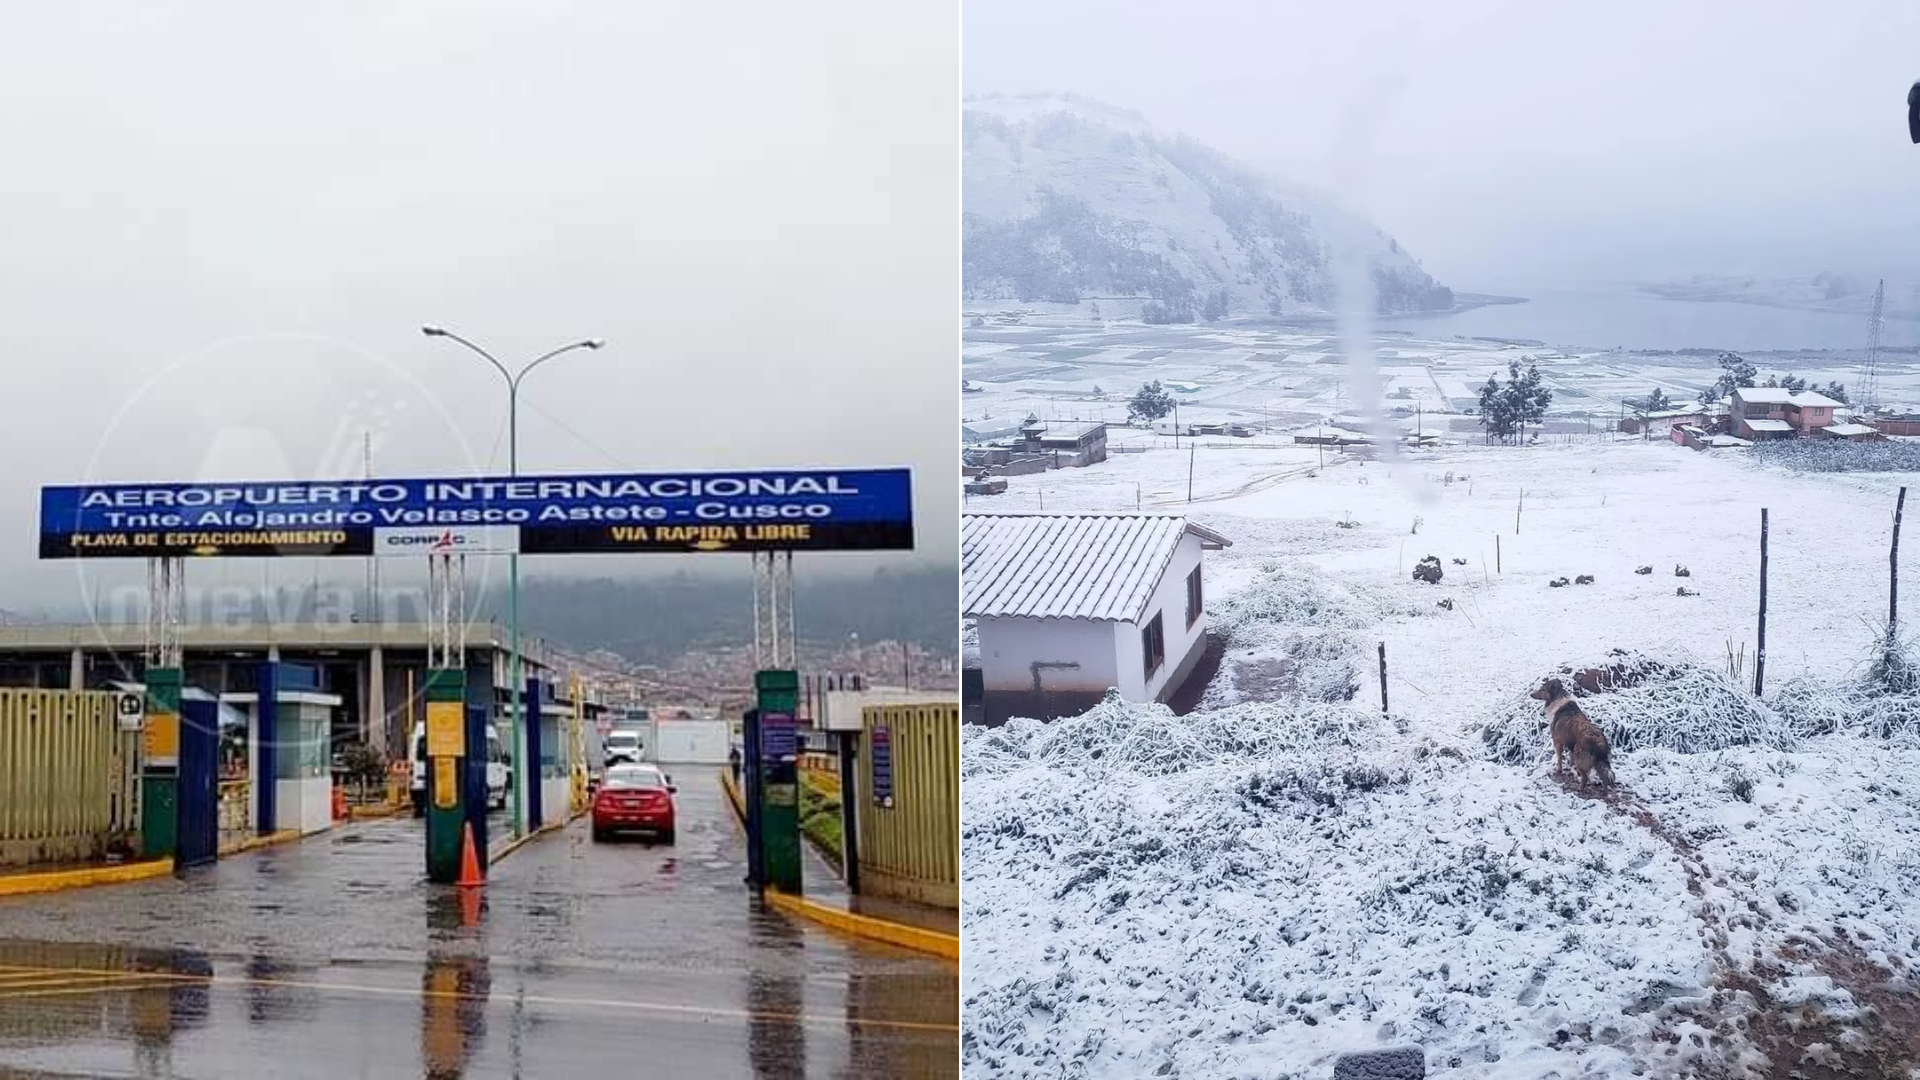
[1286, 875]
[1061, 367]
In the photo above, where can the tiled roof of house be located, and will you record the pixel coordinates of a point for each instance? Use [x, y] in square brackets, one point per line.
[1068, 566]
[1774, 395]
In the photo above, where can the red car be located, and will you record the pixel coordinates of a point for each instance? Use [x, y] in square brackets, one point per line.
[634, 798]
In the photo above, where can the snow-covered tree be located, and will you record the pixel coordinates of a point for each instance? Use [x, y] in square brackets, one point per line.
[1496, 416]
[1150, 402]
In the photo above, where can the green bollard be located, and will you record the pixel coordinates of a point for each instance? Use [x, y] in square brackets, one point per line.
[778, 695]
[446, 707]
[160, 765]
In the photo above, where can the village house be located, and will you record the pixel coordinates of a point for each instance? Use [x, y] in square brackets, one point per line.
[1068, 444]
[1772, 412]
[1068, 606]
[1660, 425]
[1903, 424]
[1851, 431]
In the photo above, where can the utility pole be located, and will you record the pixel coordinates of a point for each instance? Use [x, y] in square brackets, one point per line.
[517, 691]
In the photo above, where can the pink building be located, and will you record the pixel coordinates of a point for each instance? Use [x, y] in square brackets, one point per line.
[1770, 412]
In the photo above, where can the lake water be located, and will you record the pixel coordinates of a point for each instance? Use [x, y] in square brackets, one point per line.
[1603, 318]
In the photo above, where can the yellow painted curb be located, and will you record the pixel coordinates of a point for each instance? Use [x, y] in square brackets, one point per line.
[273, 839]
[933, 942]
[514, 845]
[733, 796]
[61, 880]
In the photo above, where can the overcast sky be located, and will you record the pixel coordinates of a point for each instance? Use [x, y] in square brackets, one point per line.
[225, 223]
[1513, 142]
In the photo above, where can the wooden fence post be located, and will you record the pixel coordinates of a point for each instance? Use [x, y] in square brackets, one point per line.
[1760, 654]
[1383, 678]
[1893, 573]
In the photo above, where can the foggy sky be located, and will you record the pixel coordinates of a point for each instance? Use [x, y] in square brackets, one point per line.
[1516, 142]
[226, 222]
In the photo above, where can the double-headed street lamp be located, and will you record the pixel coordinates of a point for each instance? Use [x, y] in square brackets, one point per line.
[517, 693]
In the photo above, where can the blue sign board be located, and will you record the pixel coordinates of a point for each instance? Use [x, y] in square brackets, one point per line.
[777, 737]
[882, 741]
[799, 510]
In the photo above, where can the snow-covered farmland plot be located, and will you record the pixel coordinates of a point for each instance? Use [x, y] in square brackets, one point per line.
[1289, 874]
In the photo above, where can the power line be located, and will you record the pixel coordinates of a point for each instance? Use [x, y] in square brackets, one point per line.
[571, 430]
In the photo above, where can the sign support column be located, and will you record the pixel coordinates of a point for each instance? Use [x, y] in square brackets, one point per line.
[160, 739]
[447, 727]
[777, 700]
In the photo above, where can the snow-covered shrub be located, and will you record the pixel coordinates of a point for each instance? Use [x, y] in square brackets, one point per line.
[1289, 596]
[1681, 706]
[1285, 871]
[1326, 666]
[1836, 455]
[1739, 783]
[1882, 703]
[1147, 739]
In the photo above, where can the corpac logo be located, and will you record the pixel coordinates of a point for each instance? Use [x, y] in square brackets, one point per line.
[479, 540]
[446, 541]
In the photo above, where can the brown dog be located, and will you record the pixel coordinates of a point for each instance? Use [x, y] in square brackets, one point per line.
[1572, 731]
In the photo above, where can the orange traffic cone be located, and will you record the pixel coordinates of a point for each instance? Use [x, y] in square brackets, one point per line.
[469, 860]
[470, 907]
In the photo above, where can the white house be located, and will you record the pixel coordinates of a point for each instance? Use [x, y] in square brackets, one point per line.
[1067, 606]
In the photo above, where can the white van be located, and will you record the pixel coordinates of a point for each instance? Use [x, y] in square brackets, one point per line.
[499, 776]
[622, 747]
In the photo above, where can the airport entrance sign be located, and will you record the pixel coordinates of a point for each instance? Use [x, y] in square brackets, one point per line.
[790, 510]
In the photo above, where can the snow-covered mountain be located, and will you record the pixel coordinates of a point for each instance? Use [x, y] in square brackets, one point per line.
[1067, 199]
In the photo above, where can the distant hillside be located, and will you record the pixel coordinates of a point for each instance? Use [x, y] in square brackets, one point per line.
[1067, 199]
[1827, 291]
[651, 620]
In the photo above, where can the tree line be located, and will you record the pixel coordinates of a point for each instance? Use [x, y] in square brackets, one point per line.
[1737, 372]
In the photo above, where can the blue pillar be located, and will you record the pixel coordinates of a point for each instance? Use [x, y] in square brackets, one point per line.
[266, 737]
[474, 783]
[530, 708]
[750, 794]
[198, 840]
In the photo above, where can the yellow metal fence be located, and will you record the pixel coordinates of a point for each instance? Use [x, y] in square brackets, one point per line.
[910, 834]
[67, 775]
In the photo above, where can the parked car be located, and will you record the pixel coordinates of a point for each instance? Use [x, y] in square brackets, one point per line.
[634, 798]
[623, 747]
[499, 776]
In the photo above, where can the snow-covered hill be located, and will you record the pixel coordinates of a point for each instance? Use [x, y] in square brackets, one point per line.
[1067, 199]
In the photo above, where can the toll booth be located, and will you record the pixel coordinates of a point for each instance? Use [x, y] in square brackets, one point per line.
[290, 756]
[289, 733]
[556, 784]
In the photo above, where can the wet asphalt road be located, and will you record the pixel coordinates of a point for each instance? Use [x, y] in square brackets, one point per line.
[332, 958]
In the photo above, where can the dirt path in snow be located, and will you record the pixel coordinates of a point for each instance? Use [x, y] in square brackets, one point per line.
[1803, 1042]
[1258, 483]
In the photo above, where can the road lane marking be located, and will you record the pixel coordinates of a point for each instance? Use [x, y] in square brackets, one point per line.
[131, 981]
[85, 984]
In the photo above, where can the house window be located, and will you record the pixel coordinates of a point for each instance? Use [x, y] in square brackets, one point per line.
[1193, 597]
[1153, 643]
[1751, 409]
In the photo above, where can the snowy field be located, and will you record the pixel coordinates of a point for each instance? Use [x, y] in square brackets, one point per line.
[1281, 379]
[1286, 875]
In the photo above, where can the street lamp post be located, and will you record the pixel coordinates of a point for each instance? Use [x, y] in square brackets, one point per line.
[517, 692]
